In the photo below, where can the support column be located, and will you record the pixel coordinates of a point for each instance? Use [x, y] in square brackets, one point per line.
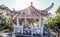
[41, 24]
[17, 21]
[14, 30]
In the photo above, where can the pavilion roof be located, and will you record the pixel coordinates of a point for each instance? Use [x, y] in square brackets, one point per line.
[29, 11]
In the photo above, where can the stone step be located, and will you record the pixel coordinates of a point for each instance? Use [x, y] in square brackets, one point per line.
[26, 36]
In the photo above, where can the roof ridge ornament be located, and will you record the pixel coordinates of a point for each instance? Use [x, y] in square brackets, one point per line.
[31, 3]
[50, 7]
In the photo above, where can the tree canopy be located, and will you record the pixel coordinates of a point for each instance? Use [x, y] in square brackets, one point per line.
[58, 10]
[55, 21]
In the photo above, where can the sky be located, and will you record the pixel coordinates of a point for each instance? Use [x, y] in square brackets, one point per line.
[39, 4]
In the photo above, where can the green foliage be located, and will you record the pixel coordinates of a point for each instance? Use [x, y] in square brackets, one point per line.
[58, 10]
[55, 21]
[2, 22]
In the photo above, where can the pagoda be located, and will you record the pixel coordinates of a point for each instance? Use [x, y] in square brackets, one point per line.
[29, 20]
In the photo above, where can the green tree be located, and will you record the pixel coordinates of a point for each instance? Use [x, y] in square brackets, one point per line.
[58, 10]
[55, 21]
[2, 22]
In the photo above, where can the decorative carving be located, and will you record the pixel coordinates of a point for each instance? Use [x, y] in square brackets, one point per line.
[50, 7]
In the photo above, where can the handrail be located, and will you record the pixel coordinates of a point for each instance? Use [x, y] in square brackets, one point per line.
[57, 31]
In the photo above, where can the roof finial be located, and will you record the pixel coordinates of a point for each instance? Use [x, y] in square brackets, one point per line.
[31, 3]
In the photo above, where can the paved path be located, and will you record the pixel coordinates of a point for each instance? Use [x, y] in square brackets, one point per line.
[5, 35]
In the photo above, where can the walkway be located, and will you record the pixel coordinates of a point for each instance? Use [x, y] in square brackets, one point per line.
[5, 35]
